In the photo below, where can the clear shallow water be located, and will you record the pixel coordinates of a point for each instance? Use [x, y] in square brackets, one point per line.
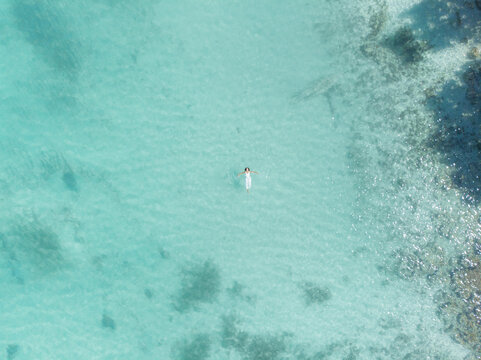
[125, 230]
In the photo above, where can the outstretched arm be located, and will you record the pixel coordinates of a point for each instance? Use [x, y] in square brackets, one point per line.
[255, 172]
[241, 173]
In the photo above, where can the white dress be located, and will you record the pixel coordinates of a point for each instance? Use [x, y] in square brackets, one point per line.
[248, 180]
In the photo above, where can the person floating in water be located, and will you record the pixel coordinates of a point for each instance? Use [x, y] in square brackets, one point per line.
[248, 172]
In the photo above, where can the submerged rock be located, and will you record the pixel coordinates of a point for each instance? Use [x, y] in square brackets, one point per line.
[108, 322]
[236, 290]
[408, 263]
[164, 254]
[148, 293]
[37, 243]
[459, 306]
[377, 20]
[478, 4]
[353, 354]
[315, 294]
[474, 53]
[369, 49]
[472, 78]
[12, 350]
[231, 336]
[252, 346]
[476, 248]
[200, 284]
[390, 322]
[265, 348]
[197, 348]
[404, 44]
[46, 29]
[69, 180]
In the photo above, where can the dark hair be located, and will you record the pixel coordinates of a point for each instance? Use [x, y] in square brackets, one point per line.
[247, 169]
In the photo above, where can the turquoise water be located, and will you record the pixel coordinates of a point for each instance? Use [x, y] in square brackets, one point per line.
[126, 232]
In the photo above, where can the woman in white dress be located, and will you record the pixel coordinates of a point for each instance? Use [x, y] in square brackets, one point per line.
[248, 172]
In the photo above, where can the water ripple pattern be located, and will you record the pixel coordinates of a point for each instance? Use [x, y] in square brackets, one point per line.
[125, 232]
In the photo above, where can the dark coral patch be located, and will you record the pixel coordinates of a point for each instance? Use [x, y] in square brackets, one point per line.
[315, 294]
[197, 348]
[406, 46]
[108, 322]
[200, 284]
